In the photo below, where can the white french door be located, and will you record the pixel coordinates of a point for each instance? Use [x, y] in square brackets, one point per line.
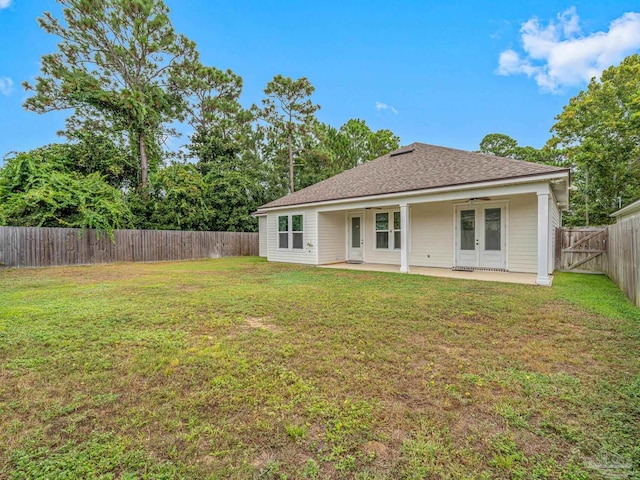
[481, 236]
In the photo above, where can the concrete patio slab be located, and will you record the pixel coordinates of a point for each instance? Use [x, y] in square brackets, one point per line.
[505, 277]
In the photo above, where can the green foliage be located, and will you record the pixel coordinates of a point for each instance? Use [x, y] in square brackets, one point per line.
[289, 114]
[94, 151]
[179, 201]
[233, 196]
[600, 129]
[102, 456]
[503, 145]
[499, 144]
[38, 189]
[114, 61]
[331, 151]
[128, 78]
[597, 135]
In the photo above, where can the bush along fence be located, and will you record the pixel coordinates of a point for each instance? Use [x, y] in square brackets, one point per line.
[44, 247]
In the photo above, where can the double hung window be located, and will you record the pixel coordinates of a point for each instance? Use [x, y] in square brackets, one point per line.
[388, 235]
[291, 232]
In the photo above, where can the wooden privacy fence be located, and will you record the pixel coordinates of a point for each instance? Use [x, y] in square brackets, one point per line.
[44, 247]
[613, 250]
[623, 257]
[581, 249]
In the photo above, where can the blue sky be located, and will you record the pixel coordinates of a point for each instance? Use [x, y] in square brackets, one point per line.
[440, 72]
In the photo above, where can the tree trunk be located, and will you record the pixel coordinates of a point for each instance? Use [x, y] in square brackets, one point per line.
[290, 165]
[144, 163]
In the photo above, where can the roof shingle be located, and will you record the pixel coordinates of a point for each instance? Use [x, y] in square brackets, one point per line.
[415, 167]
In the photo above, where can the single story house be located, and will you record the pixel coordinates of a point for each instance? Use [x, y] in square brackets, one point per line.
[424, 205]
[627, 212]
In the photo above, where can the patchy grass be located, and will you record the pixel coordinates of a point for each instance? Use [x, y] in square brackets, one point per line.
[236, 368]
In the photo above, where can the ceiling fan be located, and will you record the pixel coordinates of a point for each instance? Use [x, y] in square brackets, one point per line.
[478, 199]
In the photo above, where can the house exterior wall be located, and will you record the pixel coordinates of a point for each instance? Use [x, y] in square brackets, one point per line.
[332, 237]
[308, 254]
[522, 249]
[431, 235]
[262, 235]
[431, 231]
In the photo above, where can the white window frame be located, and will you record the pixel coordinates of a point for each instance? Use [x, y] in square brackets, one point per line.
[391, 231]
[290, 232]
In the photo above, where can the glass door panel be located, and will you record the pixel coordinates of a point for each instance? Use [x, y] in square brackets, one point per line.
[492, 229]
[468, 230]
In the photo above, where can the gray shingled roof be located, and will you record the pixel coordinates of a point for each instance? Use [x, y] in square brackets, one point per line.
[421, 168]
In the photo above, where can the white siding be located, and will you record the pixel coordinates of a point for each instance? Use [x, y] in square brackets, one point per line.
[522, 231]
[432, 230]
[262, 232]
[308, 253]
[331, 237]
[431, 234]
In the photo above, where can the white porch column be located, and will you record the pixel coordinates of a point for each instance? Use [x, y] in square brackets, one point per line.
[543, 240]
[404, 238]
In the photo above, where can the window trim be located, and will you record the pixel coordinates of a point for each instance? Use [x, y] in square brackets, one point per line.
[290, 232]
[391, 231]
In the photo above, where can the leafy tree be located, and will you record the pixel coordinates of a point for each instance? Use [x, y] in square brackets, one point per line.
[105, 153]
[114, 63]
[223, 145]
[222, 127]
[331, 151]
[499, 144]
[361, 144]
[600, 131]
[179, 199]
[289, 112]
[232, 196]
[37, 189]
[502, 145]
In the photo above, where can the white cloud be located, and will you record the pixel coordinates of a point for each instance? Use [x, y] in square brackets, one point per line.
[6, 85]
[380, 106]
[559, 55]
[4, 4]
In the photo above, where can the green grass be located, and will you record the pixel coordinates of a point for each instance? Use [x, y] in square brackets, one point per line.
[236, 368]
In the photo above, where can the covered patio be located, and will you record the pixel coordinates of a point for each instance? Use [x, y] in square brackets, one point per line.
[487, 276]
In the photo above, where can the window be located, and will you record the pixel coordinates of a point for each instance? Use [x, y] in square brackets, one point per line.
[396, 230]
[388, 234]
[283, 231]
[296, 231]
[382, 230]
[291, 232]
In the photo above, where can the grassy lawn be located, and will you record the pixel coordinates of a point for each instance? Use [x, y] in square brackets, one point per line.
[236, 368]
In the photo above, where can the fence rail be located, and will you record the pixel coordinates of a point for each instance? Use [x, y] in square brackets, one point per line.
[43, 247]
[623, 257]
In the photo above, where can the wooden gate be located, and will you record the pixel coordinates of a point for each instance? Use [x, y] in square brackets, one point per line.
[581, 249]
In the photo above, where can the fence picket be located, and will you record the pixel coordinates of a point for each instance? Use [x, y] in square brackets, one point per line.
[41, 247]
